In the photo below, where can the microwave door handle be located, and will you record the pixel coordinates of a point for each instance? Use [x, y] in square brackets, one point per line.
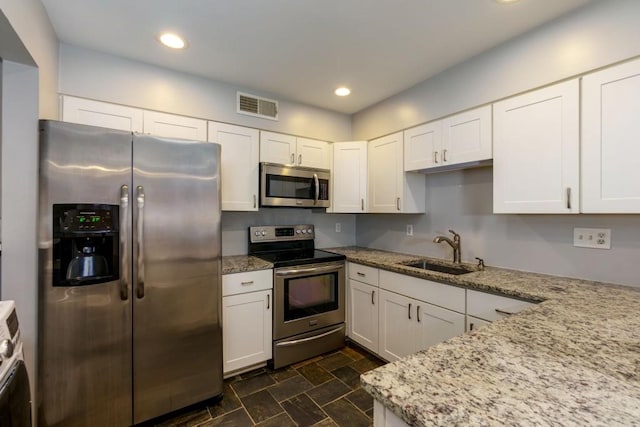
[317, 183]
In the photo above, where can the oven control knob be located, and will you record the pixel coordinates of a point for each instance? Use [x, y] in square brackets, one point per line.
[264, 233]
[6, 349]
[304, 231]
[297, 231]
[309, 231]
[257, 233]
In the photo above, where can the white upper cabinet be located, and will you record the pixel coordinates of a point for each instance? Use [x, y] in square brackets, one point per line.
[113, 116]
[466, 137]
[294, 151]
[422, 146]
[349, 177]
[313, 153]
[611, 140]
[536, 151]
[390, 188]
[240, 171]
[102, 114]
[455, 140]
[173, 126]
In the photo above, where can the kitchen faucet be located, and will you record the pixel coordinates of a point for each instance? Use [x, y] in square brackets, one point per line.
[455, 244]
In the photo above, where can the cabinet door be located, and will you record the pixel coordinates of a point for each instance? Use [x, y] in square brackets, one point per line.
[102, 114]
[422, 146]
[396, 326]
[435, 325]
[349, 177]
[173, 126]
[493, 307]
[535, 151]
[240, 168]
[363, 314]
[246, 330]
[466, 137]
[475, 323]
[385, 168]
[277, 148]
[611, 140]
[312, 153]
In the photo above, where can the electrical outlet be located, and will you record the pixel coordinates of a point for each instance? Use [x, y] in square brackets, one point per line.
[409, 230]
[598, 238]
[338, 227]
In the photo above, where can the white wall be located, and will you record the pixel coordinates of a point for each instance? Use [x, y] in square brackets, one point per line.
[235, 237]
[603, 32]
[596, 35]
[90, 74]
[31, 23]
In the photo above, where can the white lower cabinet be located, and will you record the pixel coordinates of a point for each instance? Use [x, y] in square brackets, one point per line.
[407, 325]
[475, 323]
[383, 417]
[489, 307]
[247, 303]
[363, 314]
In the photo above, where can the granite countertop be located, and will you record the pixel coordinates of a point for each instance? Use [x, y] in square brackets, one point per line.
[243, 263]
[574, 358]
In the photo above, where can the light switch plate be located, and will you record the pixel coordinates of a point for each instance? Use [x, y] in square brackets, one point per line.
[338, 227]
[598, 238]
[409, 230]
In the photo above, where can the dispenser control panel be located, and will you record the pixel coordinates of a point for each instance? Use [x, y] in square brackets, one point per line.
[85, 218]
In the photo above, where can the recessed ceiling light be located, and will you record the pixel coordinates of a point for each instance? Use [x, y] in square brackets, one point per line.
[506, 1]
[342, 91]
[173, 41]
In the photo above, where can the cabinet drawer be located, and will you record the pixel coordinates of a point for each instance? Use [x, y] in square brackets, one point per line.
[447, 296]
[251, 281]
[493, 307]
[363, 273]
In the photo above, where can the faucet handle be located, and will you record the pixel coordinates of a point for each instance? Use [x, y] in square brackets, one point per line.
[480, 264]
[455, 235]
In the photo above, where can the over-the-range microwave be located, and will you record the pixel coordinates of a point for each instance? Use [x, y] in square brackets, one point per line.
[294, 186]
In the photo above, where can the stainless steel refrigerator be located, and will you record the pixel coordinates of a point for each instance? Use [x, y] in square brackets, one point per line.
[129, 276]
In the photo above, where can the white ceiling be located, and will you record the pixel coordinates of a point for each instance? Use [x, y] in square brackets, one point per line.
[302, 50]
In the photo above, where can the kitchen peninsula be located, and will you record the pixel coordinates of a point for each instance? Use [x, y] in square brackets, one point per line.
[574, 358]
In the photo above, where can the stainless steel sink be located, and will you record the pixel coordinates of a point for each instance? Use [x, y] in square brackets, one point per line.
[449, 269]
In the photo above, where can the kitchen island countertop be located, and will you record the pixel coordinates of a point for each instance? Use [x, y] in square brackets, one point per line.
[574, 358]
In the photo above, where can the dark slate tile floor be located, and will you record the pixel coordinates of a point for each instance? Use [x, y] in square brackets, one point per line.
[322, 392]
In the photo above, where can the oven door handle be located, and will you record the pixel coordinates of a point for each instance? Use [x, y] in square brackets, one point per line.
[316, 337]
[297, 271]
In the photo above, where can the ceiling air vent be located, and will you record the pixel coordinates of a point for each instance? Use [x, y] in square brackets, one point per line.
[258, 107]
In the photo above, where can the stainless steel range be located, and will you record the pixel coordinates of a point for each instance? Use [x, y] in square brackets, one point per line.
[309, 292]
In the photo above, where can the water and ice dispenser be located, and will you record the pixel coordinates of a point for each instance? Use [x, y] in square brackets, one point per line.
[86, 244]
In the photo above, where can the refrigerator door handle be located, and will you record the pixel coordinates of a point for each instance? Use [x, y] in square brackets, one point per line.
[124, 273]
[140, 254]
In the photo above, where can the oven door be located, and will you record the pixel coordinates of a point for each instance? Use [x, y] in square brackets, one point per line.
[293, 186]
[308, 298]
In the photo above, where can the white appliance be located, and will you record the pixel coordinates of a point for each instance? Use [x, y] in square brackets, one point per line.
[15, 397]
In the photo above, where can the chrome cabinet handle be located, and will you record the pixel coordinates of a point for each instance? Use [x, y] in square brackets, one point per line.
[317, 184]
[435, 157]
[140, 232]
[568, 197]
[299, 159]
[471, 326]
[409, 311]
[361, 274]
[373, 294]
[362, 205]
[255, 200]
[444, 155]
[418, 313]
[398, 203]
[504, 312]
[124, 265]
[250, 282]
[268, 301]
[293, 158]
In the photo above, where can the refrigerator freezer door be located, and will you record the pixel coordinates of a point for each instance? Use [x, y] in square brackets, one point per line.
[177, 335]
[84, 362]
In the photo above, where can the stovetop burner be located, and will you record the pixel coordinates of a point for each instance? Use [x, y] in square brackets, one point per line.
[287, 246]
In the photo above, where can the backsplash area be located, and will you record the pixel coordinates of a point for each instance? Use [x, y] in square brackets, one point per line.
[235, 227]
[463, 201]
